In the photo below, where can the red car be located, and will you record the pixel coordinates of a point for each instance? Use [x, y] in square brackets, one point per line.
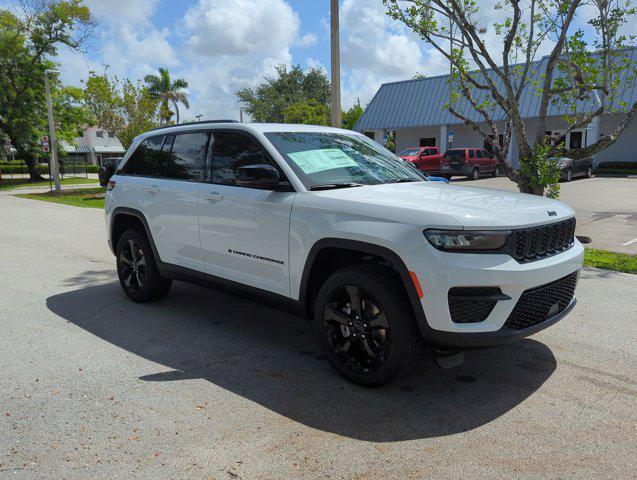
[426, 159]
[469, 162]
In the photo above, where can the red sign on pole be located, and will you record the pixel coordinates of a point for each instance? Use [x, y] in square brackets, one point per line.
[45, 143]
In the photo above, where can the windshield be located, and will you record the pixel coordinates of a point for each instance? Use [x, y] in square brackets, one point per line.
[322, 158]
[410, 152]
[459, 153]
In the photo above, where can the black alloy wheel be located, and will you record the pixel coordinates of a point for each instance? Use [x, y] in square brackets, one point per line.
[132, 264]
[366, 325]
[137, 269]
[357, 329]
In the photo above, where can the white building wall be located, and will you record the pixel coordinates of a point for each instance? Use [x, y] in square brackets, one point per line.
[90, 139]
[624, 149]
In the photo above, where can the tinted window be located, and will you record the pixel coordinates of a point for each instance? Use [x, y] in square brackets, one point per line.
[471, 153]
[231, 150]
[409, 152]
[187, 156]
[141, 161]
[457, 153]
[485, 154]
[161, 161]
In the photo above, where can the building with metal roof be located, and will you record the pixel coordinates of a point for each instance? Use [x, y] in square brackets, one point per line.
[92, 146]
[415, 110]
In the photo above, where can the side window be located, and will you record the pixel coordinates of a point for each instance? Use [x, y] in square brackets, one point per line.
[139, 162]
[187, 156]
[161, 161]
[472, 153]
[231, 150]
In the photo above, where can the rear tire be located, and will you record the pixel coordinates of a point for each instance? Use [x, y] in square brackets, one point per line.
[137, 270]
[589, 172]
[475, 174]
[496, 171]
[366, 326]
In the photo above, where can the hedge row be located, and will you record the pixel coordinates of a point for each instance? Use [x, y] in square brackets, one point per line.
[617, 165]
[616, 171]
[42, 169]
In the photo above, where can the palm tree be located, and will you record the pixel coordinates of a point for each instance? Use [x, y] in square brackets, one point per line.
[168, 92]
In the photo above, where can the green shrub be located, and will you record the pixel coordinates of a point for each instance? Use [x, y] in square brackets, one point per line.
[616, 166]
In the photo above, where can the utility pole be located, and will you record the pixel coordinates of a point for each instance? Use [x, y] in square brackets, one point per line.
[198, 117]
[55, 169]
[335, 65]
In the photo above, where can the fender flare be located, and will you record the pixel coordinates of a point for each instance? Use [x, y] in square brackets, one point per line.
[121, 211]
[369, 248]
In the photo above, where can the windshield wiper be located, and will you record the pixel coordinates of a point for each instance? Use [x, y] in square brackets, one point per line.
[404, 180]
[331, 186]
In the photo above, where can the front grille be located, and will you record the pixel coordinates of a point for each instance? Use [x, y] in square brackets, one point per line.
[540, 242]
[538, 304]
[472, 304]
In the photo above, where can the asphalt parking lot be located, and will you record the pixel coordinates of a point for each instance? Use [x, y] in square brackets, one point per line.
[606, 208]
[204, 385]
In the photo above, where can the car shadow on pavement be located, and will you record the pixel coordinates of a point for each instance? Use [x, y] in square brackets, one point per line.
[271, 357]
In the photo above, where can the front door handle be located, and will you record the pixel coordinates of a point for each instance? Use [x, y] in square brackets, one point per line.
[153, 189]
[213, 196]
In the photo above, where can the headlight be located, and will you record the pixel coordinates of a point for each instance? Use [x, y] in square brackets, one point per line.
[467, 241]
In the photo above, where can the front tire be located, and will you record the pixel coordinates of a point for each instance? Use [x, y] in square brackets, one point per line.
[589, 172]
[137, 270]
[569, 175]
[366, 326]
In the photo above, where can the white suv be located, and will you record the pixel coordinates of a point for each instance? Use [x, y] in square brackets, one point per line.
[338, 228]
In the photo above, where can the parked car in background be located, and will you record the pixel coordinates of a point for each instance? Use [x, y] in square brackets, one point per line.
[426, 159]
[570, 168]
[436, 179]
[107, 169]
[469, 162]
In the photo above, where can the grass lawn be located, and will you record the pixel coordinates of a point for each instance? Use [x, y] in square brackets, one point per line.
[7, 184]
[620, 262]
[85, 197]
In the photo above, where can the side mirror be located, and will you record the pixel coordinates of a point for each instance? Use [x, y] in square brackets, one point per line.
[258, 176]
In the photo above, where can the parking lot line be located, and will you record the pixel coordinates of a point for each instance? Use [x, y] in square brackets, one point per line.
[629, 242]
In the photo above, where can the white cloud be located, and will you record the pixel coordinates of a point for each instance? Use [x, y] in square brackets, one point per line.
[229, 49]
[307, 40]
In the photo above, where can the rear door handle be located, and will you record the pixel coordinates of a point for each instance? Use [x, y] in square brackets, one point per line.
[213, 196]
[153, 189]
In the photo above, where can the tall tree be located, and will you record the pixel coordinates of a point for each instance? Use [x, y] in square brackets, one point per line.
[268, 101]
[122, 107]
[28, 40]
[351, 116]
[583, 76]
[169, 92]
[307, 113]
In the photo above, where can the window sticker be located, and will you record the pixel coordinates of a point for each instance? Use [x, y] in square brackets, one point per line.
[312, 161]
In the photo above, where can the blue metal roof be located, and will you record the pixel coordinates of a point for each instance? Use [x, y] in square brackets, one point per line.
[420, 102]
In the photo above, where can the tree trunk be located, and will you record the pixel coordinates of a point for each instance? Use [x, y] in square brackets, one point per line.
[31, 164]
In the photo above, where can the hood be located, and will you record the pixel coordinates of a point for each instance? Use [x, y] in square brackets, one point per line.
[471, 207]
[409, 158]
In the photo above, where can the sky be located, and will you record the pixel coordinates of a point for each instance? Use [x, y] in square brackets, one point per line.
[220, 46]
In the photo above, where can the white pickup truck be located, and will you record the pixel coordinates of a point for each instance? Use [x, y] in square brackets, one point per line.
[332, 225]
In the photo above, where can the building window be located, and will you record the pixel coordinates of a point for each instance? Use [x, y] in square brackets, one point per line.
[99, 134]
[575, 140]
[428, 142]
[488, 144]
[369, 135]
[111, 135]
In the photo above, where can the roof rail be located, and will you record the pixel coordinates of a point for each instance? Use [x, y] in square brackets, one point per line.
[194, 123]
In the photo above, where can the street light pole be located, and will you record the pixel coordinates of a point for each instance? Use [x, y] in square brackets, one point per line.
[55, 170]
[335, 65]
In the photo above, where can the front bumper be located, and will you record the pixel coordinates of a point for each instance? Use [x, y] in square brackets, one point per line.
[438, 272]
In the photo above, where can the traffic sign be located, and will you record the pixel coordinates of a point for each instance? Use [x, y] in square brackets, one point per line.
[45, 147]
[450, 135]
